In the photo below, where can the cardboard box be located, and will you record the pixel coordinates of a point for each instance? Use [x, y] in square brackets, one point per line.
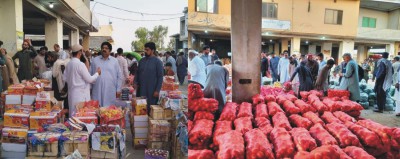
[13, 99]
[38, 119]
[139, 105]
[159, 127]
[16, 118]
[87, 118]
[159, 145]
[160, 137]
[156, 112]
[174, 104]
[16, 89]
[102, 155]
[28, 99]
[156, 154]
[144, 135]
[141, 130]
[33, 90]
[13, 150]
[43, 96]
[140, 143]
[144, 118]
[14, 135]
[75, 142]
[46, 149]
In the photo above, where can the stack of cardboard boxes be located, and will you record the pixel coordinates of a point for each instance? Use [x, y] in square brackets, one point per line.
[139, 123]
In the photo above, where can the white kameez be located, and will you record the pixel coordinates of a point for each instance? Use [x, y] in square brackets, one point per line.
[197, 70]
[78, 79]
[283, 70]
[397, 95]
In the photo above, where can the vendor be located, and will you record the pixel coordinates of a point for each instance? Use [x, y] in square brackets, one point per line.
[216, 84]
[78, 79]
[168, 69]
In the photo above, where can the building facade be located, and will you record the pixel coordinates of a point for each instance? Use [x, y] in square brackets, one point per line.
[63, 22]
[332, 27]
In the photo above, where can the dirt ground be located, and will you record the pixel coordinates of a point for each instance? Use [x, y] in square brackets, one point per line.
[387, 118]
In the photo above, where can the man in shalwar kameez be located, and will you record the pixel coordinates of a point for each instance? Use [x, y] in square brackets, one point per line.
[149, 76]
[350, 78]
[108, 86]
[383, 81]
[216, 84]
[283, 68]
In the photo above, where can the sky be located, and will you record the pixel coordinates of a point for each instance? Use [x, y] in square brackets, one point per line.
[124, 30]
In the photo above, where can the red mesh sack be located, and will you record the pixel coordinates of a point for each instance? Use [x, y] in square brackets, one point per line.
[328, 117]
[357, 153]
[200, 154]
[350, 106]
[303, 140]
[203, 104]
[312, 98]
[300, 121]
[243, 124]
[304, 94]
[194, 91]
[331, 105]
[338, 93]
[290, 108]
[317, 93]
[245, 110]
[343, 116]
[221, 127]
[321, 107]
[322, 136]
[229, 112]
[382, 131]
[354, 113]
[270, 98]
[201, 132]
[190, 125]
[291, 97]
[367, 137]
[283, 144]
[264, 125]
[257, 99]
[303, 106]
[232, 145]
[273, 108]
[281, 98]
[203, 115]
[280, 120]
[343, 135]
[396, 134]
[257, 145]
[327, 152]
[261, 110]
[313, 118]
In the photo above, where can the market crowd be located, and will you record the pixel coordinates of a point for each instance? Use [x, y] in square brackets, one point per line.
[79, 75]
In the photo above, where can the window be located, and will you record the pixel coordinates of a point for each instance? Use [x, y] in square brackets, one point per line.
[208, 6]
[333, 16]
[368, 22]
[269, 10]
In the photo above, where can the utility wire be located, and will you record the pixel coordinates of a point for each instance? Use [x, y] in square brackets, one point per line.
[135, 20]
[141, 13]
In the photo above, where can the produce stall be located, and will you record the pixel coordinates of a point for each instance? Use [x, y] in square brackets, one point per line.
[162, 130]
[277, 124]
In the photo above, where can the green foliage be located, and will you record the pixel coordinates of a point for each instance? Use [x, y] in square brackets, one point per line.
[143, 35]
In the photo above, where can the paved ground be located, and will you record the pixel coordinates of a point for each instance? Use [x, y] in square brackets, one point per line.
[386, 118]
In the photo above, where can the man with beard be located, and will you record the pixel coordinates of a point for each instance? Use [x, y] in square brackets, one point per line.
[25, 60]
[264, 64]
[39, 61]
[283, 68]
[350, 77]
[149, 76]
[313, 66]
[273, 65]
[197, 68]
[384, 81]
[107, 87]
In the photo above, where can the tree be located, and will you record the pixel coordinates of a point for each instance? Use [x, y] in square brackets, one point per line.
[157, 35]
[171, 44]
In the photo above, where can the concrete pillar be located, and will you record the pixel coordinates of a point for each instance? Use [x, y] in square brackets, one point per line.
[390, 49]
[295, 45]
[189, 39]
[86, 42]
[326, 49]
[285, 45]
[11, 30]
[245, 40]
[74, 37]
[312, 49]
[270, 47]
[53, 30]
[397, 48]
[361, 53]
[276, 48]
[346, 46]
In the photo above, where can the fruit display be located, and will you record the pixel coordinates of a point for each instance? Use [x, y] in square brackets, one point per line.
[111, 113]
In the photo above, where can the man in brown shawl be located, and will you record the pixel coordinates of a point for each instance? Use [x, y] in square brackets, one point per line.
[322, 82]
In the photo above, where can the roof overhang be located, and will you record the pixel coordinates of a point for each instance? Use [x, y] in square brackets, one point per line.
[380, 5]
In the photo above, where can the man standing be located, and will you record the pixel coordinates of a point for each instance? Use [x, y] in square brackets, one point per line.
[182, 64]
[396, 67]
[350, 78]
[366, 69]
[208, 60]
[322, 82]
[274, 61]
[197, 68]
[264, 64]
[313, 67]
[61, 53]
[214, 56]
[78, 79]
[123, 65]
[383, 81]
[321, 60]
[39, 61]
[216, 84]
[25, 60]
[149, 76]
[107, 87]
[170, 59]
[12, 75]
[283, 68]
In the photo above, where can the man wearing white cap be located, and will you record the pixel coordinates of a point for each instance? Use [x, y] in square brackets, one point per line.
[78, 79]
[197, 68]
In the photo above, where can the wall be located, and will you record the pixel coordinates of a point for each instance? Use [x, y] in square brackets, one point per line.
[394, 17]
[381, 17]
[80, 8]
